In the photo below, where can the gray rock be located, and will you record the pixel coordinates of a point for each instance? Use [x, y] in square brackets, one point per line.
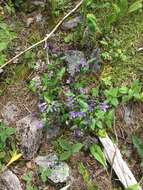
[9, 181]
[39, 3]
[29, 131]
[95, 61]
[75, 60]
[72, 23]
[60, 171]
[10, 113]
[52, 132]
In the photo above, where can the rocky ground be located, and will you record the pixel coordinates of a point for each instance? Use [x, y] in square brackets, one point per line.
[19, 109]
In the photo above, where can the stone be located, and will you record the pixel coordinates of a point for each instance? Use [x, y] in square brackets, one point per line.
[39, 3]
[10, 113]
[29, 131]
[60, 171]
[95, 61]
[72, 23]
[9, 181]
[75, 60]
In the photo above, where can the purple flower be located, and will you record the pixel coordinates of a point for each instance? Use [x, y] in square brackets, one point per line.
[74, 114]
[103, 107]
[42, 107]
[90, 107]
[78, 133]
[70, 102]
[39, 125]
[69, 80]
[83, 90]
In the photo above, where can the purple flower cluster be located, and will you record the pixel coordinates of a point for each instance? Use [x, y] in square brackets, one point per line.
[77, 114]
[103, 106]
[78, 133]
[70, 102]
[83, 90]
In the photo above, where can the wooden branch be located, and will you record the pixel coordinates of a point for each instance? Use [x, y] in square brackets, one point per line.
[47, 35]
[120, 167]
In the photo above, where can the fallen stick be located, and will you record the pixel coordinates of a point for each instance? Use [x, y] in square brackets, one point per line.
[47, 35]
[120, 167]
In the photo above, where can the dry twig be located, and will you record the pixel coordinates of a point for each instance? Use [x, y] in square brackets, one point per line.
[47, 35]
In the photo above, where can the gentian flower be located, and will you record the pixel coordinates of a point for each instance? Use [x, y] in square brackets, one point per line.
[74, 114]
[78, 133]
[103, 107]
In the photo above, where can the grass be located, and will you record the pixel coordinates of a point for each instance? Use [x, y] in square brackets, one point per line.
[129, 33]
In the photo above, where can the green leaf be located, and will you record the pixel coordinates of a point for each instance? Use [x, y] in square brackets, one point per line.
[109, 117]
[94, 92]
[92, 23]
[98, 154]
[93, 124]
[27, 177]
[61, 73]
[123, 4]
[135, 6]
[83, 105]
[65, 155]
[3, 46]
[87, 3]
[138, 144]
[64, 144]
[76, 147]
[99, 124]
[123, 90]
[2, 59]
[44, 173]
[133, 187]
[83, 171]
[114, 101]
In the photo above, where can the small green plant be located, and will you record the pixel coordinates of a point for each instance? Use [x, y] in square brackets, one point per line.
[9, 6]
[68, 149]
[29, 59]
[6, 36]
[121, 9]
[138, 144]
[5, 134]
[28, 179]
[113, 51]
[44, 174]
[98, 154]
[56, 6]
[133, 187]
[86, 177]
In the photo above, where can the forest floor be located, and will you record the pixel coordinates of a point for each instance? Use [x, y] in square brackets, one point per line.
[120, 64]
